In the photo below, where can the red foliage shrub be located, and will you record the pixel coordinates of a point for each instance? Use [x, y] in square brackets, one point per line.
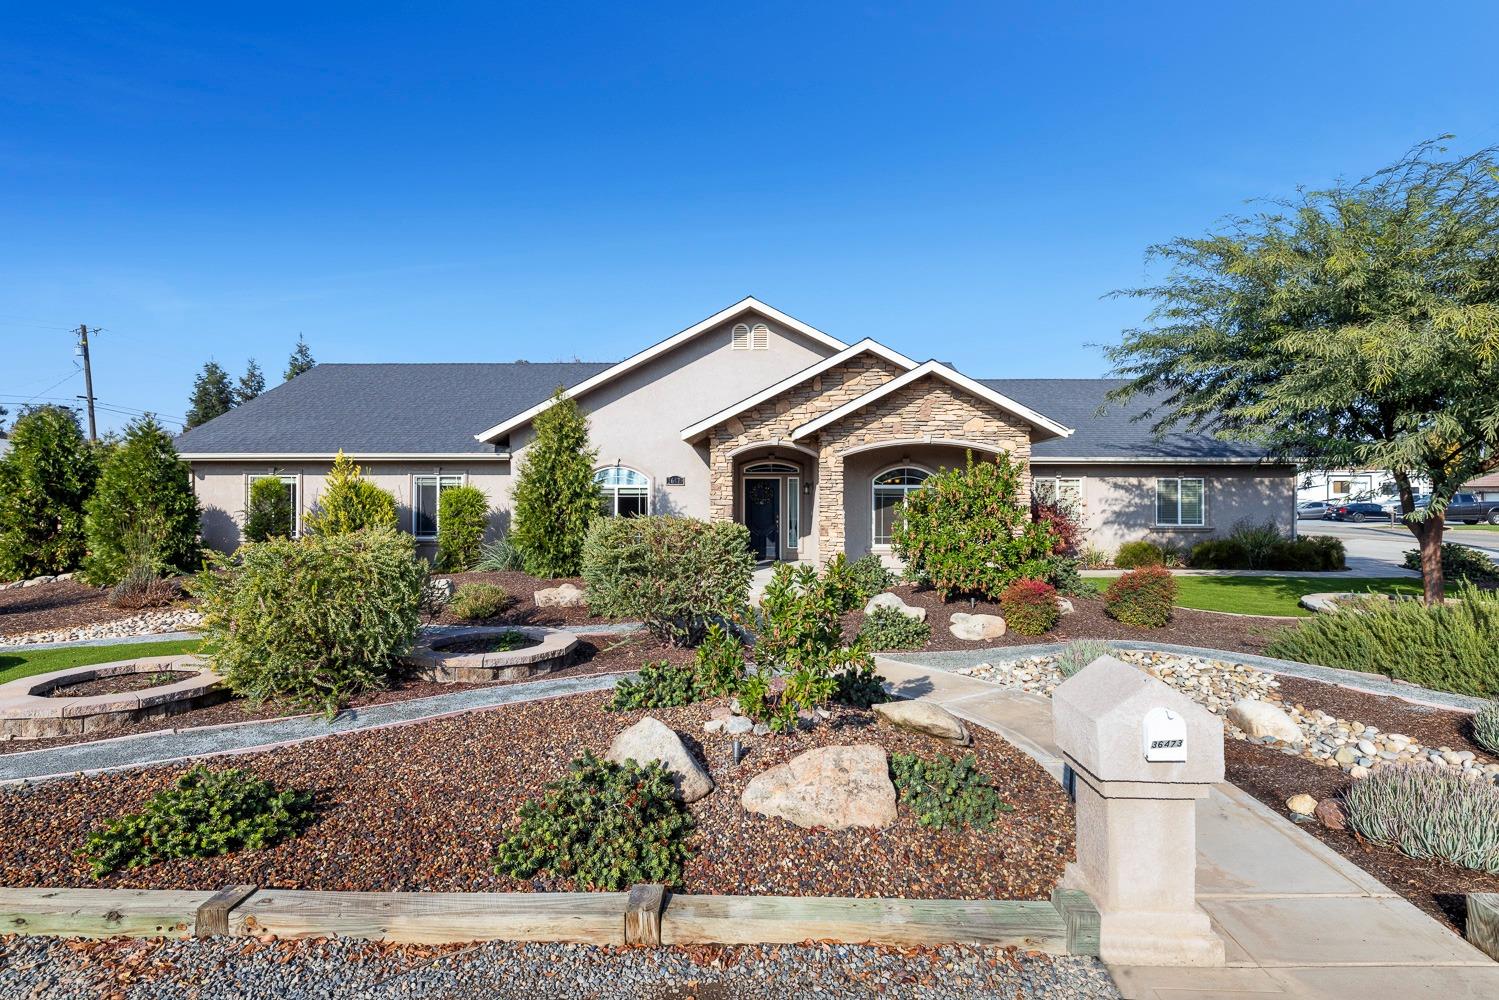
[1066, 529]
[1142, 597]
[1030, 606]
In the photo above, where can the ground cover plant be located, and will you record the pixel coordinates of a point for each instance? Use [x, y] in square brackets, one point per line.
[462, 519]
[205, 813]
[1448, 647]
[1142, 597]
[475, 601]
[660, 684]
[1486, 727]
[345, 608]
[890, 628]
[1079, 653]
[604, 825]
[945, 792]
[677, 575]
[14, 666]
[1428, 812]
[1030, 607]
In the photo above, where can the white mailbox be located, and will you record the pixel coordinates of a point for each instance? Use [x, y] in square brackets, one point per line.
[1164, 734]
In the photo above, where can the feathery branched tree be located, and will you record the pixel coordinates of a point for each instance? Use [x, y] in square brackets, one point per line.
[1352, 326]
[45, 479]
[556, 498]
[301, 359]
[213, 395]
[143, 484]
[251, 384]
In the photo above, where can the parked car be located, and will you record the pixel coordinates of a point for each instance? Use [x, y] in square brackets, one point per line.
[1312, 509]
[1392, 504]
[1467, 508]
[1359, 512]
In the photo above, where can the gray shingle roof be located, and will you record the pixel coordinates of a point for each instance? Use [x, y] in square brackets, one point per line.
[1074, 402]
[387, 408]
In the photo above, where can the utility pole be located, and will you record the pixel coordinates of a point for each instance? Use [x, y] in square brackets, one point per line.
[88, 382]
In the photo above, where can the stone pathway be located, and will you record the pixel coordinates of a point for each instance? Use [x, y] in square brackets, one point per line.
[1297, 918]
[169, 745]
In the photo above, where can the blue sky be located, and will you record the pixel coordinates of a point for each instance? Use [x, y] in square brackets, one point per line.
[488, 182]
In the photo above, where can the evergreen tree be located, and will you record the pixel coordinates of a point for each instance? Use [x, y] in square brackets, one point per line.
[301, 359]
[269, 514]
[556, 498]
[349, 502]
[251, 384]
[212, 395]
[3, 414]
[144, 512]
[45, 479]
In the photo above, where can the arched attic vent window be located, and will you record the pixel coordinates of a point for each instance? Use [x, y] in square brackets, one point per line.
[741, 336]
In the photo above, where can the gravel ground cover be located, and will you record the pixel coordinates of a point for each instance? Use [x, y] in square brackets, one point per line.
[55, 605]
[1088, 620]
[120, 969]
[421, 807]
[596, 654]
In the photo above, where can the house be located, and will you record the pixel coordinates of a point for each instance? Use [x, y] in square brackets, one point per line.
[750, 414]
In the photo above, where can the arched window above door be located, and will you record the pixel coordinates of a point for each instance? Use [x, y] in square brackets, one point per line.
[888, 493]
[625, 492]
[771, 469]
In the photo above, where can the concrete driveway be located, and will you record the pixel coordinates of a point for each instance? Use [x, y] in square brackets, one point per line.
[1380, 548]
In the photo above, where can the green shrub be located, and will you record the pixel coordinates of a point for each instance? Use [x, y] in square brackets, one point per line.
[1132, 555]
[603, 826]
[1219, 553]
[476, 601]
[1065, 574]
[500, 556]
[269, 513]
[1142, 597]
[556, 498]
[1315, 553]
[204, 813]
[946, 793]
[1258, 541]
[719, 662]
[889, 628]
[1078, 653]
[852, 584]
[350, 503]
[462, 519]
[315, 620]
[799, 618]
[143, 587]
[662, 684]
[1030, 607]
[969, 530]
[1459, 563]
[1448, 647]
[1428, 812]
[142, 481]
[1486, 727]
[675, 574]
[857, 682]
[45, 479]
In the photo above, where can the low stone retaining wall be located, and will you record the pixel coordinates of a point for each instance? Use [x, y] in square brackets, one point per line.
[29, 710]
[646, 915]
[553, 649]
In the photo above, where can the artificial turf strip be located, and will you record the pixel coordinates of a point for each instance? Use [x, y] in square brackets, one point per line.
[17, 665]
[1269, 595]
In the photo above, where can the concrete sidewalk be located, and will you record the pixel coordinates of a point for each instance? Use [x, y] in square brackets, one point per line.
[1297, 919]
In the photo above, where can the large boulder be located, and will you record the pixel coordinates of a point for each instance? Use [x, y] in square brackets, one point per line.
[976, 628]
[925, 717]
[1259, 719]
[650, 739]
[888, 600]
[566, 595]
[830, 787]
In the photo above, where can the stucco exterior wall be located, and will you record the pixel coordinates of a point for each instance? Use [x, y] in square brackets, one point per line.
[1119, 500]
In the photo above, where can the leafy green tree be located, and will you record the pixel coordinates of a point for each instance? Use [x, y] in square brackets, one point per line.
[300, 361]
[269, 514]
[1357, 325]
[3, 414]
[350, 503]
[462, 519]
[251, 384]
[212, 395]
[45, 479]
[556, 498]
[143, 482]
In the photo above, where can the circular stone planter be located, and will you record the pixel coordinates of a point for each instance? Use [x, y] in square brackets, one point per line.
[31, 710]
[551, 649]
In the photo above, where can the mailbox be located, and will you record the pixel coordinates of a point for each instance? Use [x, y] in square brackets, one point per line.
[1164, 734]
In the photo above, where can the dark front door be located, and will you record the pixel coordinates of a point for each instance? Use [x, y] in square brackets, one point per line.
[762, 516]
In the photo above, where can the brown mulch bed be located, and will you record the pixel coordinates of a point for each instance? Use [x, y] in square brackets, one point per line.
[65, 604]
[597, 654]
[1272, 777]
[1087, 621]
[422, 807]
[488, 644]
[121, 683]
[522, 609]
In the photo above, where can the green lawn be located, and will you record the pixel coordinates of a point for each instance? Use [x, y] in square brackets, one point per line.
[1269, 595]
[1473, 527]
[16, 665]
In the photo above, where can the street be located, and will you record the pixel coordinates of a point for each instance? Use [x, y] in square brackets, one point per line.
[1376, 549]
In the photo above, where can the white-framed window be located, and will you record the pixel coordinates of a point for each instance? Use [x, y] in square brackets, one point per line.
[625, 492]
[289, 483]
[888, 494]
[1180, 503]
[1066, 492]
[741, 337]
[793, 512]
[425, 492]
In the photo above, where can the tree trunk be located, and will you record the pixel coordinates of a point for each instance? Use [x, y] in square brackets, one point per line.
[1429, 536]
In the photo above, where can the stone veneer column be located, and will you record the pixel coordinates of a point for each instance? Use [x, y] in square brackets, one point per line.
[830, 531]
[720, 480]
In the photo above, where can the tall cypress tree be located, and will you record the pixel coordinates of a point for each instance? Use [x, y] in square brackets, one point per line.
[212, 395]
[44, 480]
[144, 510]
[556, 498]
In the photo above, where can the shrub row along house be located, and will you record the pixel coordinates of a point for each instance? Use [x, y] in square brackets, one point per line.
[749, 415]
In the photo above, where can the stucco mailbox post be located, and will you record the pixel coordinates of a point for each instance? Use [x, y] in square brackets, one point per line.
[1141, 755]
